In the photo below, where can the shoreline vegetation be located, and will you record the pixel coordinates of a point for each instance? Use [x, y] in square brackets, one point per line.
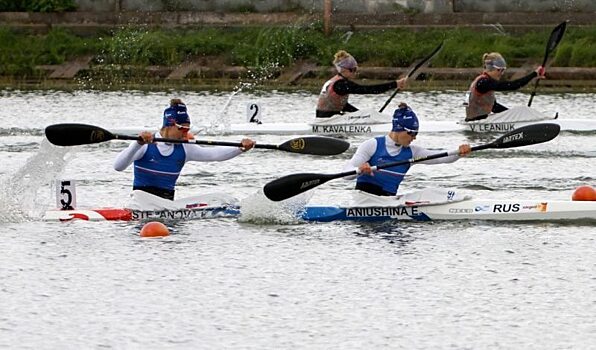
[294, 57]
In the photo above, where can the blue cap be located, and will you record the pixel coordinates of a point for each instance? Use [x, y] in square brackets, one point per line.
[175, 114]
[404, 118]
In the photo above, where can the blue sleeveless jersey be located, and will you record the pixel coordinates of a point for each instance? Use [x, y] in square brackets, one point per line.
[389, 182]
[157, 170]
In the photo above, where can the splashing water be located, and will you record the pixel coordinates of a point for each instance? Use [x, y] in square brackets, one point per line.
[498, 27]
[346, 36]
[257, 209]
[18, 193]
[122, 49]
[220, 124]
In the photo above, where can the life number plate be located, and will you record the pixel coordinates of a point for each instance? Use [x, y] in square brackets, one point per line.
[253, 113]
[66, 195]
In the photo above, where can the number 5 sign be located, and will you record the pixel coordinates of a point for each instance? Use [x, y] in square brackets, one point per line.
[66, 194]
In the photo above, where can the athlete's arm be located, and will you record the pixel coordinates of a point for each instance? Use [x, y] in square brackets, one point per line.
[133, 152]
[211, 153]
[363, 154]
[421, 152]
[344, 87]
[485, 85]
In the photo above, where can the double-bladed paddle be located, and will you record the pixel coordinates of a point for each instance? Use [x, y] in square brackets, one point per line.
[412, 71]
[555, 37]
[83, 134]
[292, 185]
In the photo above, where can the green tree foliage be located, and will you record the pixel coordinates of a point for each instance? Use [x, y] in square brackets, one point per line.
[20, 53]
[282, 46]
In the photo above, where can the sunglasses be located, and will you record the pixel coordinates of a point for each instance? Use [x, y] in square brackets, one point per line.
[501, 70]
[353, 70]
[182, 127]
[410, 131]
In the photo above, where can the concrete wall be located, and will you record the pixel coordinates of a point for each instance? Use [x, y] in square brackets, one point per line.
[524, 5]
[346, 6]
[97, 5]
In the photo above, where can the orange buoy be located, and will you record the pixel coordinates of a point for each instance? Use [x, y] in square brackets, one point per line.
[584, 193]
[154, 229]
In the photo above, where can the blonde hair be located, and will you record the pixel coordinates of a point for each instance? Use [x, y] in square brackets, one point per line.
[340, 55]
[493, 61]
[491, 57]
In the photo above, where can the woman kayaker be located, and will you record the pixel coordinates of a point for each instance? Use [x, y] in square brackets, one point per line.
[393, 147]
[480, 99]
[333, 98]
[158, 165]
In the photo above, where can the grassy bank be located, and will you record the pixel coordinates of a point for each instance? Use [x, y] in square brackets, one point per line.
[261, 47]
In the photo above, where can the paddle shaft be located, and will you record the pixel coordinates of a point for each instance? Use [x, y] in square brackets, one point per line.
[514, 138]
[307, 147]
[555, 37]
[292, 185]
[411, 161]
[411, 72]
[197, 142]
[83, 134]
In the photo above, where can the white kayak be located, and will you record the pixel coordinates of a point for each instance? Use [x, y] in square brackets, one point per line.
[426, 205]
[370, 122]
[448, 206]
[472, 209]
[126, 214]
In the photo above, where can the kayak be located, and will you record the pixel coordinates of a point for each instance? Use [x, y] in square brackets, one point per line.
[421, 205]
[425, 205]
[370, 122]
[487, 209]
[143, 206]
[126, 214]
[447, 204]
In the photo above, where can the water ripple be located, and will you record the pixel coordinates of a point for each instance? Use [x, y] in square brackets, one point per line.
[267, 280]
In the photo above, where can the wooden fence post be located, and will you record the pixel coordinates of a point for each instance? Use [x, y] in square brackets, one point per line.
[327, 7]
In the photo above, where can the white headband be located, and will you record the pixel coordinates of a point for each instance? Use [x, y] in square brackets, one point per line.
[496, 63]
[347, 63]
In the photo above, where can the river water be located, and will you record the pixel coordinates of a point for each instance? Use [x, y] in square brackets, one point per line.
[267, 282]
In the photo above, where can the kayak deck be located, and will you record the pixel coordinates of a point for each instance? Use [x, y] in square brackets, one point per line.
[123, 214]
[429, 126]
[493, 210]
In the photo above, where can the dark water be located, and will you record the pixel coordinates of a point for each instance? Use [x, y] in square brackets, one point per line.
[269, 282]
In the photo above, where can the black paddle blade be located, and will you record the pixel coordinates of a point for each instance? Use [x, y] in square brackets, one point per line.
[529, 135]
[524, 136]
[555, 37]
[425, 60]
[292, 185]
[76, 134]
[412, 71]
[321, 146]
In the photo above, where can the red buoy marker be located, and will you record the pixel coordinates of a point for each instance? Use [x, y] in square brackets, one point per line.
[154, 229]
[584, 193]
